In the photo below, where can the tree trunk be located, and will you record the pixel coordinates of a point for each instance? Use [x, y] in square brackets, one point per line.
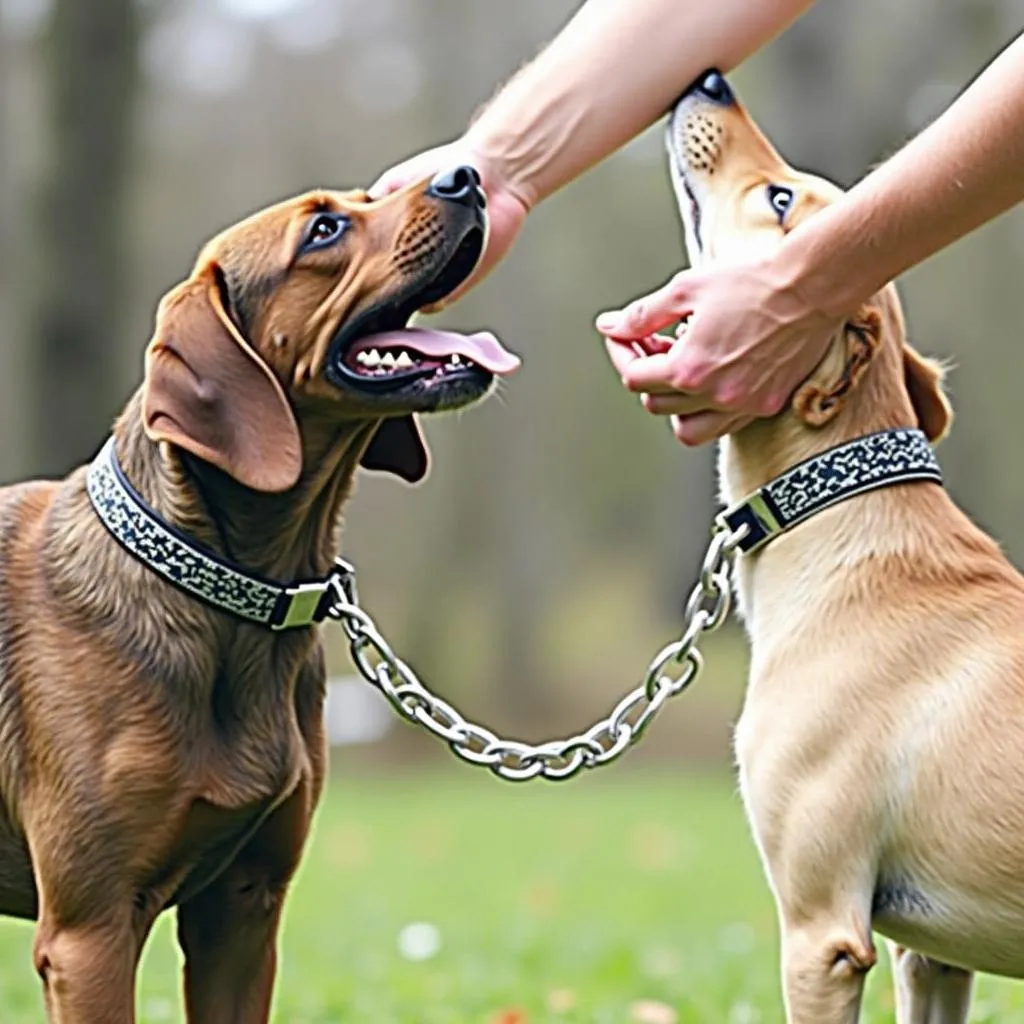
[74, 367]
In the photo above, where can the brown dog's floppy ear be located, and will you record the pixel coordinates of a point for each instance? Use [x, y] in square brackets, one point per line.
[818, 399]
[924, 385]
[398, 447]
[207, 391]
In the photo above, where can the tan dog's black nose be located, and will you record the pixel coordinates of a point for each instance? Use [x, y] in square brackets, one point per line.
[459, 185]
[711, 85]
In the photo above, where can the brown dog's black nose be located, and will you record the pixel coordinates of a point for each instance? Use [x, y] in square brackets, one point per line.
[459, 185]
[713, 86]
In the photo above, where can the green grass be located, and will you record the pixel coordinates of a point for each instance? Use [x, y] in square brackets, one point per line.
[565, 904]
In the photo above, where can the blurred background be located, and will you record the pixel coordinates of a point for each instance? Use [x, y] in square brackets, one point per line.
[549, 554]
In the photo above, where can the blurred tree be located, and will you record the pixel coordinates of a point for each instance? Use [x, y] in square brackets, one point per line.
[6, 222]
[75, 372]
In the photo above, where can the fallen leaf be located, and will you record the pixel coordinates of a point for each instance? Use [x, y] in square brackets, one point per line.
[648, 1011]
[561, 1000]
[509, 1016]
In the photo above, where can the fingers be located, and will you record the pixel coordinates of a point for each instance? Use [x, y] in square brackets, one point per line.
[704, 427]
[664, 373]
[676, 404]
[390, 181]
[651, 313]
[623, 354]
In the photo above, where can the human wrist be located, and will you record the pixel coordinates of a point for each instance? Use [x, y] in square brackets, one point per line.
[820, 283]
[499, 150]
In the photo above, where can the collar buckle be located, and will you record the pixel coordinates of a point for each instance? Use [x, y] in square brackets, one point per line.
[302, 604]
[306, 604]
[757, 513]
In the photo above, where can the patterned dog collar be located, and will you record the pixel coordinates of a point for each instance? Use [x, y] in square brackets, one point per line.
[879, 460]
[177, 558]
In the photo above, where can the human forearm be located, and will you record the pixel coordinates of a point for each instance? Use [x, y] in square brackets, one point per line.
[612, 71]
[960, 172]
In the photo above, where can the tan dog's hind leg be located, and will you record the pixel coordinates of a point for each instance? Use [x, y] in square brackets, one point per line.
[928, 992]
[824, 966]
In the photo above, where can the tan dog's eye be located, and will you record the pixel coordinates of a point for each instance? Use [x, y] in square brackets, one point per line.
[780, 199]
[325, 229]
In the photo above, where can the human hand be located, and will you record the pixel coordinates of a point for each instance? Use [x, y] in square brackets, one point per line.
[747, 342]
[507, 206]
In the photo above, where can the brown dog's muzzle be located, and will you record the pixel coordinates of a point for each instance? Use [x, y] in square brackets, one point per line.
[436, 250]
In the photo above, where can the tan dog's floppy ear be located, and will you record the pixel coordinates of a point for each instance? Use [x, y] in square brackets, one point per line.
[924, 385]
[818, 399]
[210, 393]
[398, 447]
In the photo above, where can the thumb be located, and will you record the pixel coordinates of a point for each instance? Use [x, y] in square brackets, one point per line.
[390, 181]
[651, 313]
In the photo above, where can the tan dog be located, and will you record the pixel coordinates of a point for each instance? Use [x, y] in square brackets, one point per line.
[881, 744]
[158, 752]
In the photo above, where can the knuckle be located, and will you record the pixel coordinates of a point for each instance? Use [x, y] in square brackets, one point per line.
[678, 290]
[691, 376]
[683, 432]
[770, 404]
[636, 313]
[727, 395]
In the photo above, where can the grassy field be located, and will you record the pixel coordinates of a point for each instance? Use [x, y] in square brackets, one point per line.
[631, 898]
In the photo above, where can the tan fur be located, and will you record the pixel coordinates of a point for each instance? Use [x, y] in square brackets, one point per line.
[881, 741]
[156, 752]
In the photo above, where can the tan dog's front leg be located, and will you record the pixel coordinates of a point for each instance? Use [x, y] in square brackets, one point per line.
[928, 992]
[824, 967]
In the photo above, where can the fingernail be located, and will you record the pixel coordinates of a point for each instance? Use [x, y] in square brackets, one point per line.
[606, 321]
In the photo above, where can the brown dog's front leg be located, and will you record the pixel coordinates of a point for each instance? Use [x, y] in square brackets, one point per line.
[228, 934]
[88, 971]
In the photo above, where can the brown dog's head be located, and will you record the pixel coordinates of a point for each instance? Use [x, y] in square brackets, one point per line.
[299, 313]
[738, 199]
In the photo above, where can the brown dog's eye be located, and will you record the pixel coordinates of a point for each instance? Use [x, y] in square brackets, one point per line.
[325, 229]
[780, 199]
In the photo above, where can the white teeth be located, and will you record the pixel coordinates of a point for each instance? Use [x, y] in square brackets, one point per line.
[388, 360]
[456, 359]
[371, 358]
[361, 357]
[403, 359]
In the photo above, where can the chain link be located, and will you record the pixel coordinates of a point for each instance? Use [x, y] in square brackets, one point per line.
[671, 671]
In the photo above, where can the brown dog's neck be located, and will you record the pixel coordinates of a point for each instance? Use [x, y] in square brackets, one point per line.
[286, 536]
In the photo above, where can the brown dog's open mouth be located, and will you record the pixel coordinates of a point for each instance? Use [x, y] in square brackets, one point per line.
[376, 351]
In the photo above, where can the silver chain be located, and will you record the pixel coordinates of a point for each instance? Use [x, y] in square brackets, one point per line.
[706, 609]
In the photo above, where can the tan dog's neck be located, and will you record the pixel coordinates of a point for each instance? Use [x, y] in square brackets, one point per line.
[874, 526]
[286, 536]
[767, 448]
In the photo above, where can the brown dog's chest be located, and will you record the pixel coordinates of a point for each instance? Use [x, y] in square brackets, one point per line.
[247, 772]
[209, 840]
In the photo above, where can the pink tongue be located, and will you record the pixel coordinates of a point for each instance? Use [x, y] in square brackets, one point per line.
[482, 348]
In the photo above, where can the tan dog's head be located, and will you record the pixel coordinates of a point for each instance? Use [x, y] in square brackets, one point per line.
[299, 313]
[738, 199]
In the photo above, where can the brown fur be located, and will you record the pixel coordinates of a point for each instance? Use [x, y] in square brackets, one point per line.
[157, 752]
[880, 744]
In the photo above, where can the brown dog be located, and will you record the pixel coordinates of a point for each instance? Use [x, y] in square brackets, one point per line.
[881, 743]
[159, 752]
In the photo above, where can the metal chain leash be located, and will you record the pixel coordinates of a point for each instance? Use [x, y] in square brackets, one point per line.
[706, 609]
